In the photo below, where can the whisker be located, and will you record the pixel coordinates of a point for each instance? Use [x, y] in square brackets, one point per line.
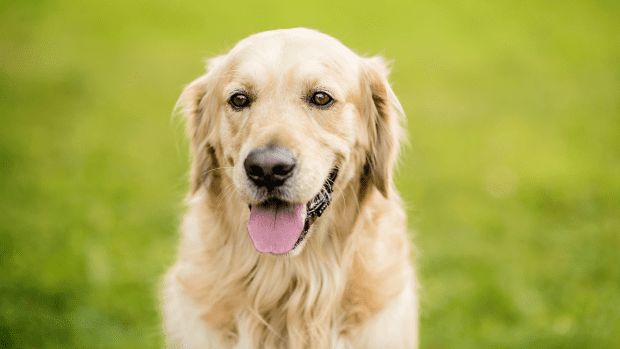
[357, 201]
[205, 173]
[345, 204]
[227, 190]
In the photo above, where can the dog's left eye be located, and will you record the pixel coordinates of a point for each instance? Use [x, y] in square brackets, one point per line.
[321, 99]
[239, 100]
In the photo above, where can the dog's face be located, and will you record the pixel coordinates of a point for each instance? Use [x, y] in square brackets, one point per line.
[292, 112]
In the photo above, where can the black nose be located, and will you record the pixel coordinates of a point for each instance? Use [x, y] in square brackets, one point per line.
[269, 166]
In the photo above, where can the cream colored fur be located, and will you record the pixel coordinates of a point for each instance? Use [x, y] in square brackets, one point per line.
[350, 284]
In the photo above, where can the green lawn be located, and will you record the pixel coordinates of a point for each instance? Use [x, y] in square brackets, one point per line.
[512, 179]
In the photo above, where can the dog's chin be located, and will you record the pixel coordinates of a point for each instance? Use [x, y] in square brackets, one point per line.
[312, 210]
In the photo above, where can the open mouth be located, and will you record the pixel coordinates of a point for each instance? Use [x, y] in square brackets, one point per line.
[278, 227]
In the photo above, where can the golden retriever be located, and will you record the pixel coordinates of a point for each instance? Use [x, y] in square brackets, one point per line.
[295, 235]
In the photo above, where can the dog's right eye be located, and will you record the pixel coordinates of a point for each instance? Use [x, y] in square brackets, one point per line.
[239, 100]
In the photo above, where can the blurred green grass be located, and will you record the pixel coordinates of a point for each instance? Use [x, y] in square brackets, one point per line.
[512, 177]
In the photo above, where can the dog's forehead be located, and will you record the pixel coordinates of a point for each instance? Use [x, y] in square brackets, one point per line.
[292, 39]
[295, 52]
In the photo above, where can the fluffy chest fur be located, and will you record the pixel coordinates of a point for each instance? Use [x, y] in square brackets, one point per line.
[323, 299]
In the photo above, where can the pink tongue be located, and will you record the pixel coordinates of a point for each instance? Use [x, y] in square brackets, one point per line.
[276, 231]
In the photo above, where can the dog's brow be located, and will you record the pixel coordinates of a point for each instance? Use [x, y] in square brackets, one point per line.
[247, 72]
[241, 86]
[234, 91]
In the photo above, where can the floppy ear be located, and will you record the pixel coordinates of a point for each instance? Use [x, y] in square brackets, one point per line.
[200, 107]
[384, 116]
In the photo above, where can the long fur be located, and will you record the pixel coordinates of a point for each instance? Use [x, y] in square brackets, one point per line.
[352, 285]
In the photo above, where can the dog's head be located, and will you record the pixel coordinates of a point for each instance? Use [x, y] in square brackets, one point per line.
[293, 113]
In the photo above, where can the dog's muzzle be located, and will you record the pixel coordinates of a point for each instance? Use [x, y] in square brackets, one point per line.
[278, 227]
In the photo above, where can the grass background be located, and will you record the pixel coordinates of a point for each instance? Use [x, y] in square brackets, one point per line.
[512, 177]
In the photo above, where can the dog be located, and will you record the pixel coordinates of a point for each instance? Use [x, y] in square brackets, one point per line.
[295, 236]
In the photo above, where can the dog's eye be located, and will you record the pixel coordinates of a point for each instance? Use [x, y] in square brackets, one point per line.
[239, 100]
[321, 99]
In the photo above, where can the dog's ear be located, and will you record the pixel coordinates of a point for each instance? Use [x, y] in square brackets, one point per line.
[200, 107]
[384, 116]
